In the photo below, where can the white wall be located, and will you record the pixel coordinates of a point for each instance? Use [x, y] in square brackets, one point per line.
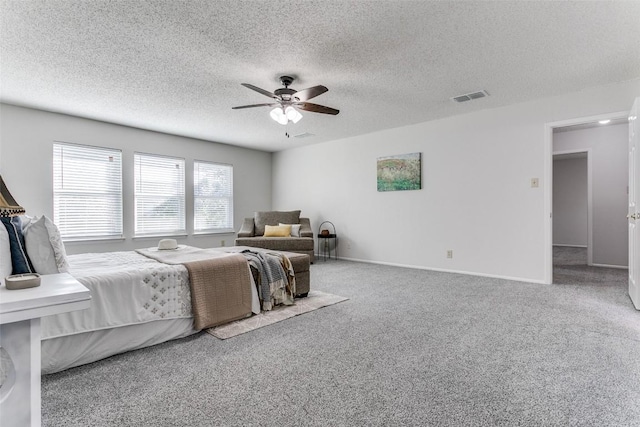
[570, 202]
[476, 198]
[26, 138]
[609, 159]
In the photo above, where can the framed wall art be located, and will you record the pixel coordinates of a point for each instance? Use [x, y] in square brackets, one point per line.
[401, 172]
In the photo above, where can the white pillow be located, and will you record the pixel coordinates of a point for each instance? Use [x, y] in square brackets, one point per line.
[26, 220]
[5, 254]
[295, 229]
[58, 245]
[39, 249]
[44, 246]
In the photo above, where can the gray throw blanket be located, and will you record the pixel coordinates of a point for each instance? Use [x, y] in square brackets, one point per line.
[273, 278]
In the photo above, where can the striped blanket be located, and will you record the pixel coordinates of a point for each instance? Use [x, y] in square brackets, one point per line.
[277, 284]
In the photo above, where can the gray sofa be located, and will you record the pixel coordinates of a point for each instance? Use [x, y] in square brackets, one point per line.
[252, 233]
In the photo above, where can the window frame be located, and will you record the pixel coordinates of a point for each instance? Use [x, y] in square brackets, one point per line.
[230, 198]
[181, 216]
[89, 234]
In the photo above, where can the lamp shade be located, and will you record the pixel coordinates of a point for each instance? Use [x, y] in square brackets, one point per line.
[292, 114]
[278, 115]
[8, 205]
[285, 116]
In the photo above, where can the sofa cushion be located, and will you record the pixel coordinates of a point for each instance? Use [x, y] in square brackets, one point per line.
[277, 243]
[299, 262]
[274, 218]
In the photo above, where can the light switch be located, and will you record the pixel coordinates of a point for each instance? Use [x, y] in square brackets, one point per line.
[534, 183]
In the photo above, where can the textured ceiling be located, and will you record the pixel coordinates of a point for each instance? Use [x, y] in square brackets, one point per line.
[176, 66]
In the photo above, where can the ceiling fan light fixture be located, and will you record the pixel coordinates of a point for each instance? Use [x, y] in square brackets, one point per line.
[292, 114]
[279, 116]
[288, 101]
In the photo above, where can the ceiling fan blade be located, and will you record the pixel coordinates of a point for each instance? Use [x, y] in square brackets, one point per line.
[262, 91]
[307, 106]
[255, 105]
[308, 93]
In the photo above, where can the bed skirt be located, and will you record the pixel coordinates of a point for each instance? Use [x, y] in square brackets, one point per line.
[69, 351]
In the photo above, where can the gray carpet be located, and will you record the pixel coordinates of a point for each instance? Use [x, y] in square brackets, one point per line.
[409, 348]
[314, 300]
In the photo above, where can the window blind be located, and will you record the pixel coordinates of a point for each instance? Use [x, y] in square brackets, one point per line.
[87, 191]
[159, 195]
[213, 197]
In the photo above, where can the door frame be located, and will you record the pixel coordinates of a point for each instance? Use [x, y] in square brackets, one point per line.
[548, 180]
[634, 195]
[589, 198]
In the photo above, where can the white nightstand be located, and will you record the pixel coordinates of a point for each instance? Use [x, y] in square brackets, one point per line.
[20, 313]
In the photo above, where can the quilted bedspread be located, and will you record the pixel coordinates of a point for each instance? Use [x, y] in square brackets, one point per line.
[221, 284]
[126, 288]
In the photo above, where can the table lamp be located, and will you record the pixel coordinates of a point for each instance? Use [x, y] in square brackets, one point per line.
[8, 205]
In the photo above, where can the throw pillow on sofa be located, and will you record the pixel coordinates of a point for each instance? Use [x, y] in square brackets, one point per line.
[295, 229]
[277, 231]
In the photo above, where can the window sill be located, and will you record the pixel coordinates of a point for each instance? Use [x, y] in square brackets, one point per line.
[212, 232]
[92, 240]
[156, 236]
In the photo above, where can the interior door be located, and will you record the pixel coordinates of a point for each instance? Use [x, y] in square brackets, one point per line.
[634, 204]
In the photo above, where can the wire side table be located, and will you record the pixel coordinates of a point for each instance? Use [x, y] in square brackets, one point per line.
[324, 246]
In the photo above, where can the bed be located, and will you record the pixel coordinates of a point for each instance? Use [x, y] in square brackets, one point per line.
[148, 296]
[136, 302]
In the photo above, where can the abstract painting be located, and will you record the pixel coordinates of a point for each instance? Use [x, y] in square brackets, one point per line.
[402, 172]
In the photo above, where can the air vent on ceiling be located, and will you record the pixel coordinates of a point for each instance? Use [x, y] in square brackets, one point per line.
[303, 135]
[470, 96]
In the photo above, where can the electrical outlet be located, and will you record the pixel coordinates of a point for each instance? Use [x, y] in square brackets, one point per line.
[449, 253]
[222, 243]
[535, 183]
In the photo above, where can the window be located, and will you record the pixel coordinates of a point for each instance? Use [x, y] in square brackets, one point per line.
[159, 195]
[212, 197]
[87, 191]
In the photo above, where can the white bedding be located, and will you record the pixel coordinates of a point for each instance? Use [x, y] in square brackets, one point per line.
[126, 288]
[135, 302]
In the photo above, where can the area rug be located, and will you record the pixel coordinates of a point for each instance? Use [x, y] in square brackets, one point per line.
[314, 301]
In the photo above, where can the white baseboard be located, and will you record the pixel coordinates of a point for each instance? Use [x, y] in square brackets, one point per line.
[621, 267]
[444, 270]
[570, 246]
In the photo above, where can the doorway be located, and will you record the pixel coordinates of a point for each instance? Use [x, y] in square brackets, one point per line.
[572, 209]
[587, 231]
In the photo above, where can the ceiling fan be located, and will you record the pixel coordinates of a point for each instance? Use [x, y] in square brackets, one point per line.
[287, 101]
